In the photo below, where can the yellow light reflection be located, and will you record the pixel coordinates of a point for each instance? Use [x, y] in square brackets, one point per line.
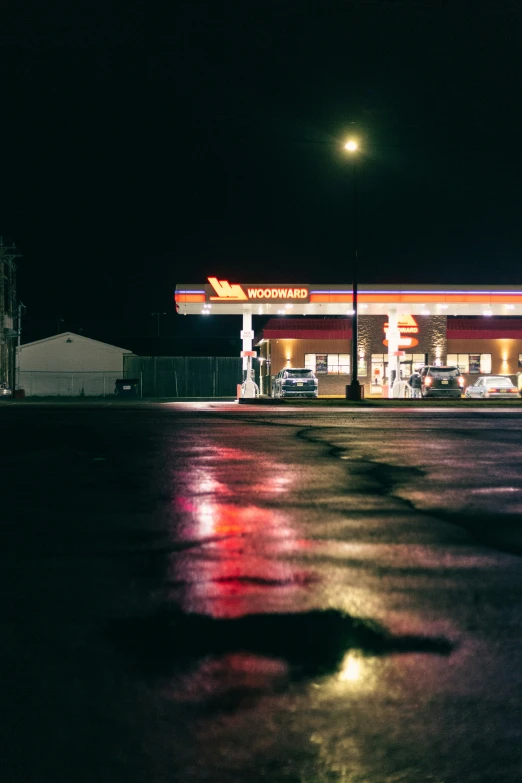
[351, 145]
[351, 668]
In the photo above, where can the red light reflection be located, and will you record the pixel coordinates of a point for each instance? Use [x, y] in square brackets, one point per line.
[236, 564]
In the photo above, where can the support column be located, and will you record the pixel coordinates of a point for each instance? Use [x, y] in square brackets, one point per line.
[246, 337]
[393, 336]
[249, 388]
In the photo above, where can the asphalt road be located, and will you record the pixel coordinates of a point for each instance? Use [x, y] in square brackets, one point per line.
[213, 592]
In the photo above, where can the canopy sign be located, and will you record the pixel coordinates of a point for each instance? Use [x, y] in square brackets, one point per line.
[407, 326]
[235, 292]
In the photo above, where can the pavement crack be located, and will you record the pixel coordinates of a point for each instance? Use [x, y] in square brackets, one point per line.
[385, 478]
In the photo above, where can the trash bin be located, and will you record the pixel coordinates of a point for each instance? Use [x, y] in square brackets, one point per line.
[127, 387]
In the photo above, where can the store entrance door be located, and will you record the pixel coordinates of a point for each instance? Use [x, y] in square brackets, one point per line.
[378, 377]
[406, 370]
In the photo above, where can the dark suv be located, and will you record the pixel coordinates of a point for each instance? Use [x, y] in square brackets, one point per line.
[441, 382]
[295, 382]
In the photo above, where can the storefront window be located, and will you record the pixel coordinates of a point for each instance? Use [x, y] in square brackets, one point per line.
[460, 360]
[485, 363]
[409, 363]
[463, 362]
[377, 371]
[310, 361]
[333, 363]
[344, 363]
[474, 363]
[321, 363]
[338, 363]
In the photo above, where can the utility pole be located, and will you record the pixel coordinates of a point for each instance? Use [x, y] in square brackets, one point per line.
[8, 313]
[21, 309]
[158, 315]
[58, 327]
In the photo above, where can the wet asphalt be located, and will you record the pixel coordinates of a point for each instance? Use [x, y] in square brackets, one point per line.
[211, 592]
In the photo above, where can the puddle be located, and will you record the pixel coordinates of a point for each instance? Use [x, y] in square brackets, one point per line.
[309, 643]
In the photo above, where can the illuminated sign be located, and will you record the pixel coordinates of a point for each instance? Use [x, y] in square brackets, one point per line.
[225, 291]
[407, 325]
[229, 292]
[277, 293]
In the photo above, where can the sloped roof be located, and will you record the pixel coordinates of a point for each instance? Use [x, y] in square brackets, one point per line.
[484, 328]
[306, 329]
[479, 328]
[76, 337]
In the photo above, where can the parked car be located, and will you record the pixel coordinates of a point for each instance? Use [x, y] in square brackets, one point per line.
[5, 390]
[127, 387]
[492, 386]
[295, 382]
[441, 382]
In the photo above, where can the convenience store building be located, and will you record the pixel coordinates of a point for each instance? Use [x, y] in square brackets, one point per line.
[400, 327]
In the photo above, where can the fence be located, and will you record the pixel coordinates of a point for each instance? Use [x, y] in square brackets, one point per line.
[159, 376]
[39, 383]
[185, 376]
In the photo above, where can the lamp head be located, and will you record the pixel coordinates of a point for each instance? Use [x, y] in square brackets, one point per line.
[351, 145]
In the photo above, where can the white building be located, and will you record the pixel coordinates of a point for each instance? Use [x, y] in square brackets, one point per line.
[69, 364]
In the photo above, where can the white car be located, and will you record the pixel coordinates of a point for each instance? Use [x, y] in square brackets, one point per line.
[295, 382]
[5, 390]
[492, 387]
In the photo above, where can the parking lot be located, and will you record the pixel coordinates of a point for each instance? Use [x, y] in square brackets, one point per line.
[207, 591]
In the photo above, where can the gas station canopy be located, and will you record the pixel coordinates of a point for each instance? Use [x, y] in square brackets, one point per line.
[220, 297]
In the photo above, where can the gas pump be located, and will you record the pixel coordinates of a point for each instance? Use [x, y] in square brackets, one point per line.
[393, 336]
[249, 388]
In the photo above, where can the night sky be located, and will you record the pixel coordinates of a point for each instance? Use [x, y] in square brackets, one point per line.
[143, 147]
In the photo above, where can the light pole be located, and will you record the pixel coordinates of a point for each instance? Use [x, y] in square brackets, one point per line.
[353, 392]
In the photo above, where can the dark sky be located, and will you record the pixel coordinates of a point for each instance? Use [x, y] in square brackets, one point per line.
[145, 147]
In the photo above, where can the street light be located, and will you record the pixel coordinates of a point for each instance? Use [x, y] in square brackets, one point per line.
[354, 391]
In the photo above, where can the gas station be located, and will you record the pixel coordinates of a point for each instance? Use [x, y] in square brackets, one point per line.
[428, 324]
